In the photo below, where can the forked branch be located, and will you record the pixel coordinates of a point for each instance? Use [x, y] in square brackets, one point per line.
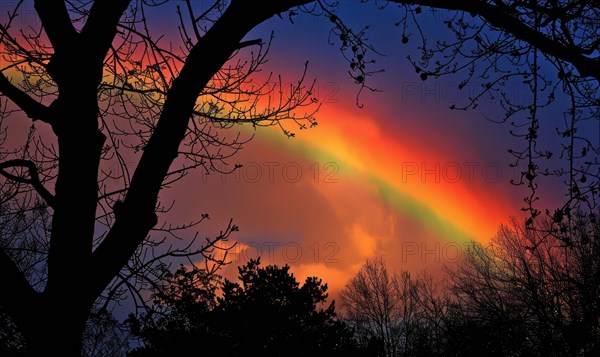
[33, 179]
[34, 109]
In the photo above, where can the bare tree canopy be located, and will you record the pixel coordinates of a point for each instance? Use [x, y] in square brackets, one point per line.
[112, 94]
[527, 293]
[551, 48]
[542, 292]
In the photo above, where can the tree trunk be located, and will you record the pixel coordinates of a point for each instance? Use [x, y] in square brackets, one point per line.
[56, 329]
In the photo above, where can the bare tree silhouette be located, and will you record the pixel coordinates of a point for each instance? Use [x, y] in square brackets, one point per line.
[405, 313]
[527, 293]
[378, 305]
[530, 293]
[547, 48]
[129, 114]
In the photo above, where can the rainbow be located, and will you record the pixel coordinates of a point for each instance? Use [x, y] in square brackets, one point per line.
[404, 174]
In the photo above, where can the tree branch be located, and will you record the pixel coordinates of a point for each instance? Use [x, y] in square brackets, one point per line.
[249, 43]
[17, 296]
[136, 214]
[31, 107]
[101, 26]
[56, 22]
[498, 17]
[33, 180]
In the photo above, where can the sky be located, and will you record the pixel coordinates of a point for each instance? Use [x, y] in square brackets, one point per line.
[400, 177]
[393, 173]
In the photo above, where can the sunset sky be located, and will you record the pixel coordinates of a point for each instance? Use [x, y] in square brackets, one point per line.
[438, 167]
[403, 177]
[400, 176]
